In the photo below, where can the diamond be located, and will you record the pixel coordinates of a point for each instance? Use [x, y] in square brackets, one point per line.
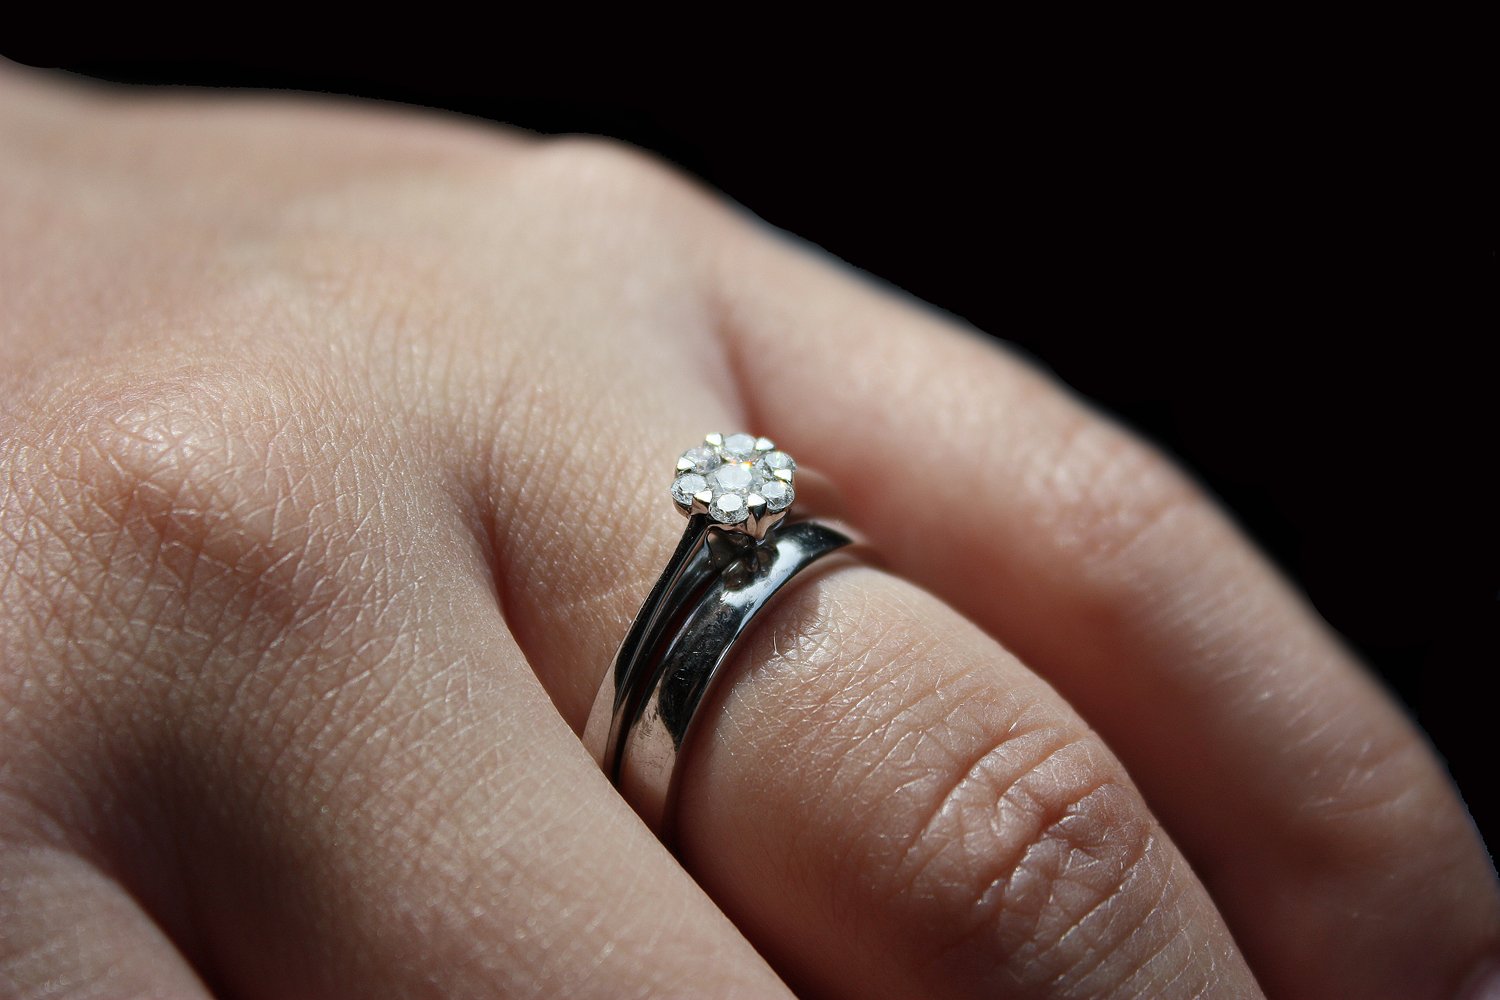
[728, 508]
[739, 447]
[734, 477]
[780, 464]
[777, 494]
[700, 460]
[683, 488]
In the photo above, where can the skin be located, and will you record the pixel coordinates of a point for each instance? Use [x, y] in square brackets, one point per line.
[305, 593]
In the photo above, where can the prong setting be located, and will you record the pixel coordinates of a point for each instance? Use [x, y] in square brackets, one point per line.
[740, 481]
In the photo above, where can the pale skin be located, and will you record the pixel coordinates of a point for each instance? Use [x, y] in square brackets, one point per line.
[303, 408]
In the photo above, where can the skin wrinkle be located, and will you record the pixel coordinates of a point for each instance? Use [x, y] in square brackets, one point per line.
[1370, 785]
[1086, 473]
[953, 809]
[1168, 891]
[900, 688]
[998, 750]
[1040, 860]
[1021, 820]
[858, 654]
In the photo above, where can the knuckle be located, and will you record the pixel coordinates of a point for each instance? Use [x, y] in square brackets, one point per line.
[1370, 794]
[596, 173]
[152, 499]
[166, 457]
[1041, 863]
[200, 556]
[129, 543]
[985, 813]
[1105, 492]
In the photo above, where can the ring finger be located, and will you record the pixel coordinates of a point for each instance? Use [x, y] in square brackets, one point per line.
[892, 804]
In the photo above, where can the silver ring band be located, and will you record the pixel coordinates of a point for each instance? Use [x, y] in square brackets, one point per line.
[662, 724]
[718, 579]
[686, 572]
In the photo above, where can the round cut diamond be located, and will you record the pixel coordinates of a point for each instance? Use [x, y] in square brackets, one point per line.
[777, 494]
[728, 508]
[779, 462]
[734, 477]
[684, 487]
[700, 460]
[739, 447]
[742, 474]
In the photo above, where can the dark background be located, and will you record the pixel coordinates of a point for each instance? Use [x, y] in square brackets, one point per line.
[1281, 269]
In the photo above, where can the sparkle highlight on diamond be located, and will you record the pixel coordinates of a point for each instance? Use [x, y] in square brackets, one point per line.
[742, 481]
[684, 488]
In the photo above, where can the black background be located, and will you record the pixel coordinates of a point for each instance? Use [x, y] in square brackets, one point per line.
[1279, 267]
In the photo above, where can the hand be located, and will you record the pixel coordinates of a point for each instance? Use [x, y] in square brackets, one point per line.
[330, 478]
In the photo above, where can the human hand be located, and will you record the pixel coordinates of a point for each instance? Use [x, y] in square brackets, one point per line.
[315, 423]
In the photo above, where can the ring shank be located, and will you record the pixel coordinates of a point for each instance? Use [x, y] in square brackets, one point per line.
[685, 574]
[704, 600]
[613, 701]
[663, 724]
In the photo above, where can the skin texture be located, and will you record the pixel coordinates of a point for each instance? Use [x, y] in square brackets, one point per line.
[313, 418]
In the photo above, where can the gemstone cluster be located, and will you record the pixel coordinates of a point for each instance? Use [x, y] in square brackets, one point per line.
[741, 481]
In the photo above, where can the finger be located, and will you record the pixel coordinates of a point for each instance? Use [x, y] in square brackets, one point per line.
[1316, 814]
[933, 818]
[567, 473]
[69, 932]
[282, 684]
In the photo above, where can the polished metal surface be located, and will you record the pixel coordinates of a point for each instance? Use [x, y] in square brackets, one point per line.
[735, 556]
[674, 681]
[685, 572]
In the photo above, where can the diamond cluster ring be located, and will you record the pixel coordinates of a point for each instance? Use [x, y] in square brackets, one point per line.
[739, 550]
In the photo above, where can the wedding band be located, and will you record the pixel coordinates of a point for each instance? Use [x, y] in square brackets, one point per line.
[738, 552]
